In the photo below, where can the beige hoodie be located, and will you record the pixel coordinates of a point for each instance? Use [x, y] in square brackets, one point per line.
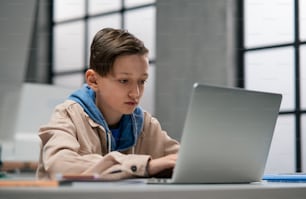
[72, 143]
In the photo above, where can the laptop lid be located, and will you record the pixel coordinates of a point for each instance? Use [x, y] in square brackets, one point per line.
[226, 136]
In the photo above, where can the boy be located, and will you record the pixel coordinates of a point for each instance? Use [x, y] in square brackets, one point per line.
[101, 129]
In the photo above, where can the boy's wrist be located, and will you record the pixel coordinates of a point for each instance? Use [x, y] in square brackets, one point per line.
[147, 173]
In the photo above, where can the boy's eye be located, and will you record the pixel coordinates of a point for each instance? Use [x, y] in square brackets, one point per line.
[123, 81]
[143, 81]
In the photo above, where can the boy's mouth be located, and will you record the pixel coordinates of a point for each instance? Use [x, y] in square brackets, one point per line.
[131, 103]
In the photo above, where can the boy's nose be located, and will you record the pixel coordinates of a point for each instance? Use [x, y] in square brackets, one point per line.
[134, 92]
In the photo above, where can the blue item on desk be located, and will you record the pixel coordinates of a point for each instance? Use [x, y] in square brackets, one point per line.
[294, 177]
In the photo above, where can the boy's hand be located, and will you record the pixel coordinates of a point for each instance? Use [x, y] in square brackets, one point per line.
[157, 165]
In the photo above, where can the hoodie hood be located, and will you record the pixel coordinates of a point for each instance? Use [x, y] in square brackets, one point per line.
[130, 125]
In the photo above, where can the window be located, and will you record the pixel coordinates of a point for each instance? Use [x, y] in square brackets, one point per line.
[75, 23]
[272, 57]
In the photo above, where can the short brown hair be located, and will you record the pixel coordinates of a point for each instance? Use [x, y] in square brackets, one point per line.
[110, 43]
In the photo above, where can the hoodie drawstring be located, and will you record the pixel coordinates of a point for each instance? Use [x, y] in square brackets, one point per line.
[109, 141]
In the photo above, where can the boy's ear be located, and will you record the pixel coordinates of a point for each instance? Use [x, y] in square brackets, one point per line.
[91, 78]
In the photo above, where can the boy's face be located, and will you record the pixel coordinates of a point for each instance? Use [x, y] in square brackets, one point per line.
[120, 91]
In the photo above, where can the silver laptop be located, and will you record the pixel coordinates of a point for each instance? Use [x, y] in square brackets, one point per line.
[226, 137]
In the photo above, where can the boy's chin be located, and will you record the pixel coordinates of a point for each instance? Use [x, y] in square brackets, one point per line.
[129, 112]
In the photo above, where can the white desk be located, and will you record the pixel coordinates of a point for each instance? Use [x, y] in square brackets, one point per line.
[141, 190]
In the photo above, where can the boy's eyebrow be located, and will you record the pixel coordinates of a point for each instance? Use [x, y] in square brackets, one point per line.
[126, 73]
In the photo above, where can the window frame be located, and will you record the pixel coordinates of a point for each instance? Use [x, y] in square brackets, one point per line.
[297, 111]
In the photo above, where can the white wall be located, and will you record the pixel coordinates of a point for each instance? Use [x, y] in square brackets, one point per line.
[15, 32]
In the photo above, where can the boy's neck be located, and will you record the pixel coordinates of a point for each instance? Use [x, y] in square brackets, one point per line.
[114, 126]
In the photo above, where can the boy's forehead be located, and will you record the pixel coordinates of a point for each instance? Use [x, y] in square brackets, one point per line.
[129, 73]
[129, 67]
